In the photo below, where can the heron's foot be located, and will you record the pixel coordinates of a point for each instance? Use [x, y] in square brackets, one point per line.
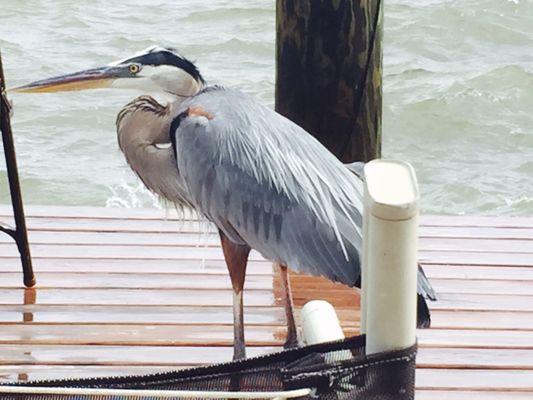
[239, 351]
[292, 341]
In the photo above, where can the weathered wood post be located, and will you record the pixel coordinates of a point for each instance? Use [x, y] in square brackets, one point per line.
[19, 233]
[329, 64]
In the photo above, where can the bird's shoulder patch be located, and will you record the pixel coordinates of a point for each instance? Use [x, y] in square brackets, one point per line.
[199, 111]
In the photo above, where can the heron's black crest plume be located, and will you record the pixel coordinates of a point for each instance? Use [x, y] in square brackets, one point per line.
[211, 88]
[160, 56]
[174, 127]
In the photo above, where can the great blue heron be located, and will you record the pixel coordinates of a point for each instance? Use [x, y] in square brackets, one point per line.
[262, 180]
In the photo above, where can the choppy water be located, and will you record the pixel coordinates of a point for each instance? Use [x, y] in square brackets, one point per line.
[458, 91]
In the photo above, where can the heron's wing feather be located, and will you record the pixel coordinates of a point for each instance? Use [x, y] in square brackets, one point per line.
[357, 168]
[266, 182]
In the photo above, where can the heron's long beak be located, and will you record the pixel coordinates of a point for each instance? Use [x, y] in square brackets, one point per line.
[87, 79]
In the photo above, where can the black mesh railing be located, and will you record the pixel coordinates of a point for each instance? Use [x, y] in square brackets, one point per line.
[335, 370]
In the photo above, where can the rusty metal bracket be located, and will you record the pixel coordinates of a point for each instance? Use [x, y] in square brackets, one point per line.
[19, 232]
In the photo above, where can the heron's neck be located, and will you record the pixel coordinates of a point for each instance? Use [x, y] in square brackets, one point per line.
[157, 168]
[143, 136]
[181, 88]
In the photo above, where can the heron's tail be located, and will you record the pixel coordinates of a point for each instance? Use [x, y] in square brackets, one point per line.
[423, 317]
[425, 290]
[424, 287]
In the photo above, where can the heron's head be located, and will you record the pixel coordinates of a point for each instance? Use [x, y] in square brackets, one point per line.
[155, 69]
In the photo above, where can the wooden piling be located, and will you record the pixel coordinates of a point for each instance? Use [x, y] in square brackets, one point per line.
[329, 72]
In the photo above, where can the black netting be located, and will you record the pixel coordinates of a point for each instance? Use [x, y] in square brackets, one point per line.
[336, 370]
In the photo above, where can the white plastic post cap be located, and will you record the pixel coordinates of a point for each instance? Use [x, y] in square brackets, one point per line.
[392, 189]
[320, 323]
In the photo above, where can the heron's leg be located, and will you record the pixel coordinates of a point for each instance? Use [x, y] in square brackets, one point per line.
[236, 256]
[292, 334]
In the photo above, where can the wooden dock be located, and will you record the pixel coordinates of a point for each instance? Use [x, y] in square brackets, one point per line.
[136, 291]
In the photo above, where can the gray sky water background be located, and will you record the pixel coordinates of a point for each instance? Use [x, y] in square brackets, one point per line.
[458, 92]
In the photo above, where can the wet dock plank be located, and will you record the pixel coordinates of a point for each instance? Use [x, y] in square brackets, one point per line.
[135, 291]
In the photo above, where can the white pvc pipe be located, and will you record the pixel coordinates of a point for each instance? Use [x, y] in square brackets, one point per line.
[391, 214]
[320, 323]
[364, 263]
[188, 394]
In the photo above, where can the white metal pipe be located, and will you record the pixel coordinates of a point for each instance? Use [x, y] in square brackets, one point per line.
[391, 255]
[290, 394]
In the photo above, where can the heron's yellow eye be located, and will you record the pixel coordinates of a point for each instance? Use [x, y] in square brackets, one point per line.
[134, 68]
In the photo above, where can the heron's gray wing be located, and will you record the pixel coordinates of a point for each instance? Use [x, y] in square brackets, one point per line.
[357, 168]
[266, 182]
